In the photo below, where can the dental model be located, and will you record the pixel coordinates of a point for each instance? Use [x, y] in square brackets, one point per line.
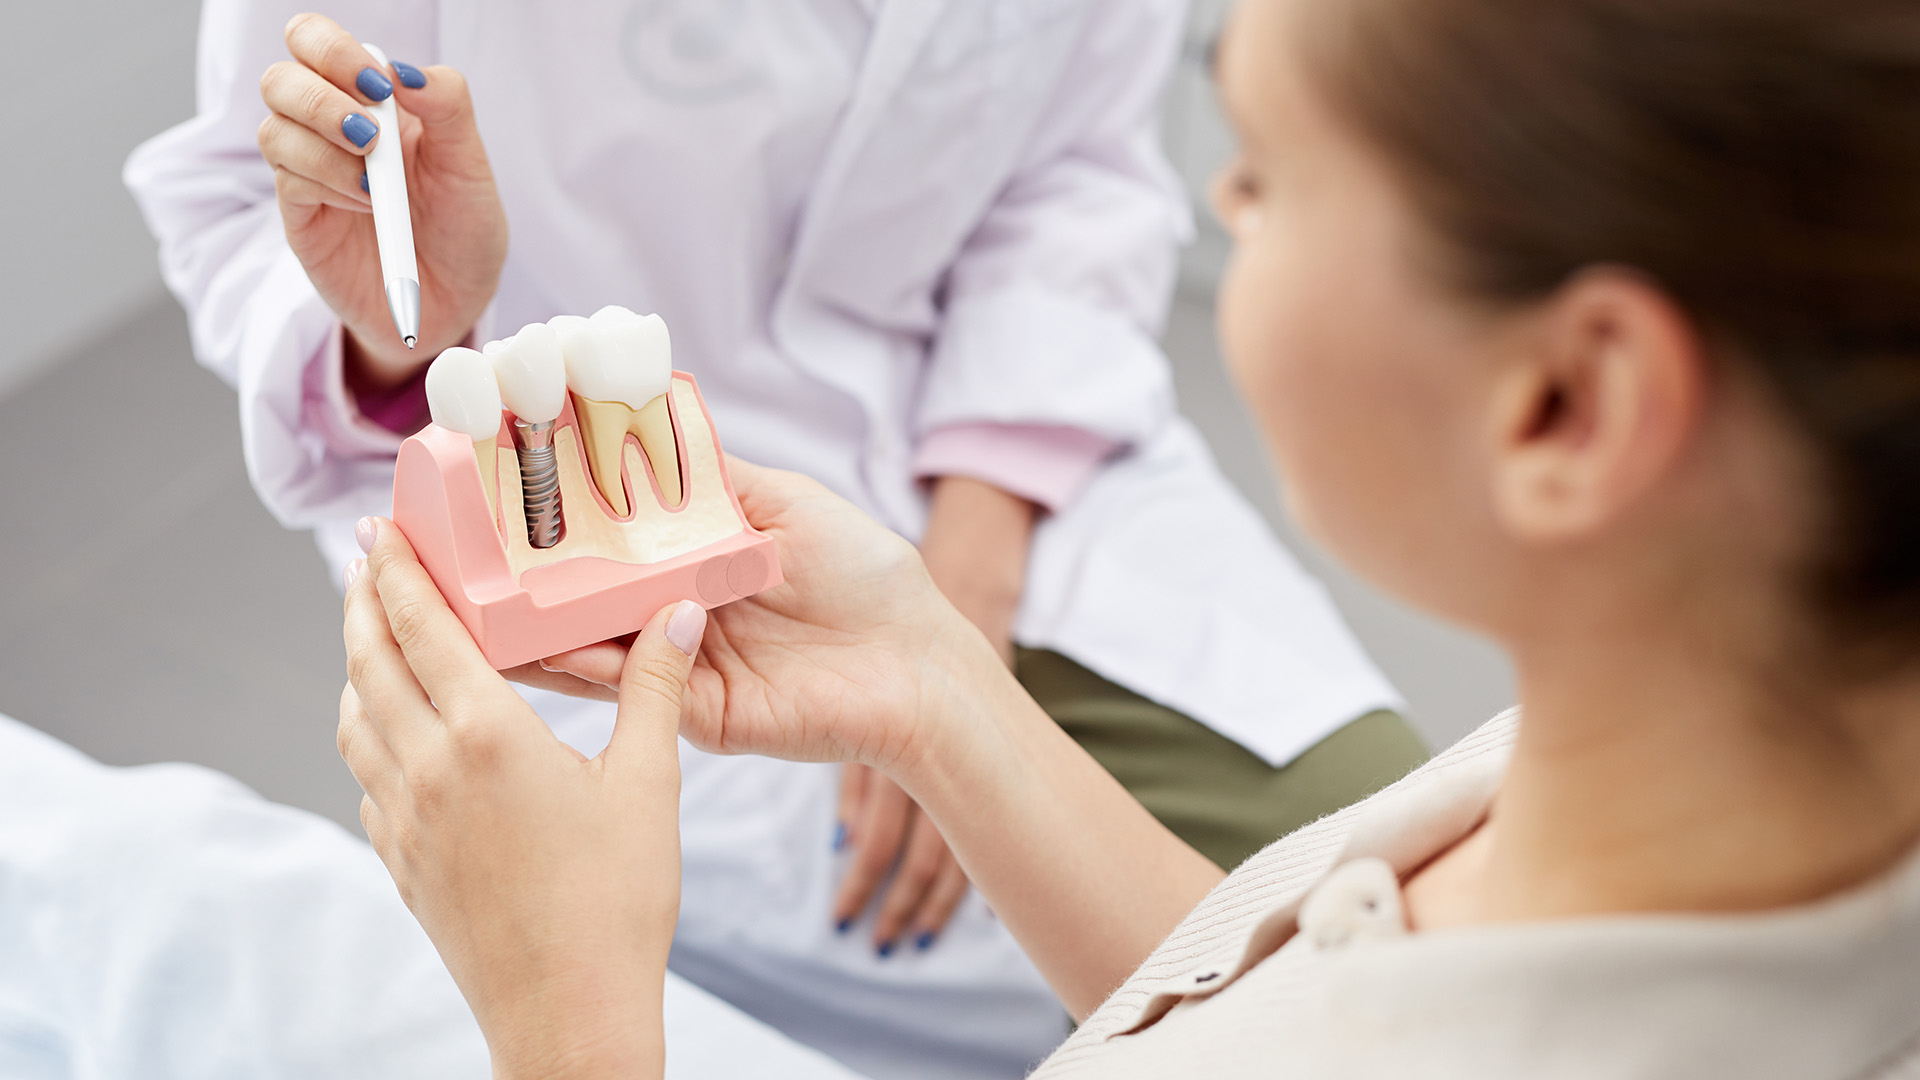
[620, 367]
[533, 383]
[612, 501]
[463, 395]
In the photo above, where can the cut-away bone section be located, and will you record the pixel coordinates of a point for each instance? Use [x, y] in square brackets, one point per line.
[654, 533]
[605, 425]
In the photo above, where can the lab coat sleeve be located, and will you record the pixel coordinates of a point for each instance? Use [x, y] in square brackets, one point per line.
[1045, 464]
[1055, 303]
[255, 319]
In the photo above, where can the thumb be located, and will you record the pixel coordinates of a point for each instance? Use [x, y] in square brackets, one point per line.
[653, 683]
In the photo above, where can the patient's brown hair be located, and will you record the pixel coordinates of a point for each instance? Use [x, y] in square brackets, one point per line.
[1759, 158]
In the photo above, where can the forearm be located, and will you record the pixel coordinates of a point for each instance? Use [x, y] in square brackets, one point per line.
[1086, 879]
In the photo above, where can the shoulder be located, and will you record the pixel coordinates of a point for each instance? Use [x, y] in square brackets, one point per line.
[1277, 876]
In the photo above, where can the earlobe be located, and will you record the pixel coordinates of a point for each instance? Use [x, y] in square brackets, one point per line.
[1598, 411]
[1533, 454]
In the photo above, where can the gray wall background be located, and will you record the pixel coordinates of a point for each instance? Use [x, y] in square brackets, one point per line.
[176, 620]
[105, 74]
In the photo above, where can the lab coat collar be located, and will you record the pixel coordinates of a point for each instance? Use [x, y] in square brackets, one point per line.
[1828, 989]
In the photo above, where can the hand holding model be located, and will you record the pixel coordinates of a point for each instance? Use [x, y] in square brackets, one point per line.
[866, 597]
[470, 800]
[453, 762]
[858, 658]
[317, 139]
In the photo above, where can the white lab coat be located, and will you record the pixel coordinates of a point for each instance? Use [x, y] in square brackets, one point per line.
[989, 237]
[166, 923]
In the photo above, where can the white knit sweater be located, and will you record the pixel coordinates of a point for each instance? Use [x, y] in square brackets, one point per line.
[1299, 965]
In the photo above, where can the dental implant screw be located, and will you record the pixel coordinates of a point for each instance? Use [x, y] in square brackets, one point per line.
[539, 482]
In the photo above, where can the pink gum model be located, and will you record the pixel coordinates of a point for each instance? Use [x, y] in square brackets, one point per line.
[440, 504]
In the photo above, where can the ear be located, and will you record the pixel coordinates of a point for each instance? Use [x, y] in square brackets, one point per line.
[1598, 409]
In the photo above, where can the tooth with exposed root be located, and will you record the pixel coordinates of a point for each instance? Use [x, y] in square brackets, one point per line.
[619, 368]
[464, 396]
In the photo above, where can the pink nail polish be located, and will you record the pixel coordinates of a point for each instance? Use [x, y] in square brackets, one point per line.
[365, 533]
[354, 570]
[686, 626]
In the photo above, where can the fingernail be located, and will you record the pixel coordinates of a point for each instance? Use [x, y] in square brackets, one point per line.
[924, 941]
[885, 950]
[354, 570]
[843, 926]
[363, 183]
[839, 836]
[358, 129]
[365, 532]
[373, 84]
[686, 626]
[410, 77]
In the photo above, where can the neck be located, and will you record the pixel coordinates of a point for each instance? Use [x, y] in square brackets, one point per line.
[1649, 776]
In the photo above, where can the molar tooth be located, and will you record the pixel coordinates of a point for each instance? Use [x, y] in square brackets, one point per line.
[619, 368]
[463, 395]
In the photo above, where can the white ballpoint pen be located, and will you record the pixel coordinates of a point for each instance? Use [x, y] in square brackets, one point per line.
[392, 219]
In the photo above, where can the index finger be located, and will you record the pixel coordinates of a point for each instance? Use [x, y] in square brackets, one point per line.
[435, 642]
[599, 664]
[338, 57]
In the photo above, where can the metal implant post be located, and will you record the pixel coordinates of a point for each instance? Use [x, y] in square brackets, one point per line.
[539, 482]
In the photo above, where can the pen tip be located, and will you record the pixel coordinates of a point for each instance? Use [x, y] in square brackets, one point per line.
[409, 340]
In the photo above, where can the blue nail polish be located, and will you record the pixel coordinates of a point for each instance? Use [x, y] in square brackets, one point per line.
[363, 182]
[839, 836]
[373, 84]
[410, 77]
[843, 926]
[885, 950]
[358, 129]
[924, 941]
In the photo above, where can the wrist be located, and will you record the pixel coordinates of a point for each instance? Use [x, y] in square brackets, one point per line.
[608, 1055]
[975, 548]
[371, 370]
[966, 692]
[379, 362]
[979, 511]
[581, 1028]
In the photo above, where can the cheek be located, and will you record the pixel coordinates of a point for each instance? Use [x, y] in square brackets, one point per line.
[1343, 390]
[1269, 329]
[1299, 348]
